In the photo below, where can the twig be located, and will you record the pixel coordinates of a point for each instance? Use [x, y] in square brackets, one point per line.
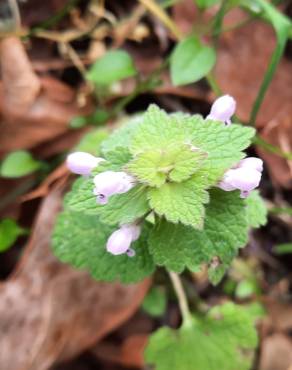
[154, 8]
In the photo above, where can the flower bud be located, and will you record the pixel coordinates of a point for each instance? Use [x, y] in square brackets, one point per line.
[134, 229]
[223, 109]
[109, 182]
[251, 162]
[120, 240]
[82, 163]
[244, 179]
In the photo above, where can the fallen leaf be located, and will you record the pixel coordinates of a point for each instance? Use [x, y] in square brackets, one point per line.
[276, 353]
[34, 110]
[42, 190]
[50, 312]
[279, 315]
[130, 353]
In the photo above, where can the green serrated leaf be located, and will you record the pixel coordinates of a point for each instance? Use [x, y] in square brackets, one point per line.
[125, 208]
[177, 246]
[18, 163]
[81, 241]
[120, 209]
[190, 61]
[115, 65]
[223, 144]
[181, 202]
[118, 157]
[121, 137]
[225, 340]
[81, 198]
[157, 131]
[256, 210]
[174, 163]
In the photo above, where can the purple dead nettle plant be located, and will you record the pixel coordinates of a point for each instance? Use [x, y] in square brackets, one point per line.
[244, 176]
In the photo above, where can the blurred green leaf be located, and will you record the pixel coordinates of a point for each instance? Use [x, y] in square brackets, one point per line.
[99, 117]
[78, 122]
[18, 163]
[246, 288]
[92, 140]
[203, 4]
[284, 248]
[115, 65]
[190, 61]
[9, 232]
[155, 302]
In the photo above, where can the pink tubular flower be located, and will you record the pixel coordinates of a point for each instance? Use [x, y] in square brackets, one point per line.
[82, 163]
[109, 182]
[223, 109]
[120, 240]
[245, 177]
[251, 162]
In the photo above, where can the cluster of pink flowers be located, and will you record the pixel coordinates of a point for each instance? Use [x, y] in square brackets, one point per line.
[107, 184]
[245, 176]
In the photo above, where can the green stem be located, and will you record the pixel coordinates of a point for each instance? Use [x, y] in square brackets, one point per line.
[281, 210]
[213, 84]
[275, 59]
[218, 21]
[257, 140]
[182, 299]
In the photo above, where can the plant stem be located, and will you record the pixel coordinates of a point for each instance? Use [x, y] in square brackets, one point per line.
[159, 12]
[182, 299]
[276, 57]
[213, 84]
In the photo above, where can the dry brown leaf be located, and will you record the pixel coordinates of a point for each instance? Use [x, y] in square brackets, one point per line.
[184, 15]
[279, 316]
[50, 312]
[37, 11]
[42, 190]
[21, 86]
[33, 110]
[243, 58]
[276, 353]
[130, 353]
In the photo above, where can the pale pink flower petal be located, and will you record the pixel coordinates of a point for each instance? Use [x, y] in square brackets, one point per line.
[120, 240]
[109, 183]
[82, 163]
[244, 179]
[223, 109]
[252, 162]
